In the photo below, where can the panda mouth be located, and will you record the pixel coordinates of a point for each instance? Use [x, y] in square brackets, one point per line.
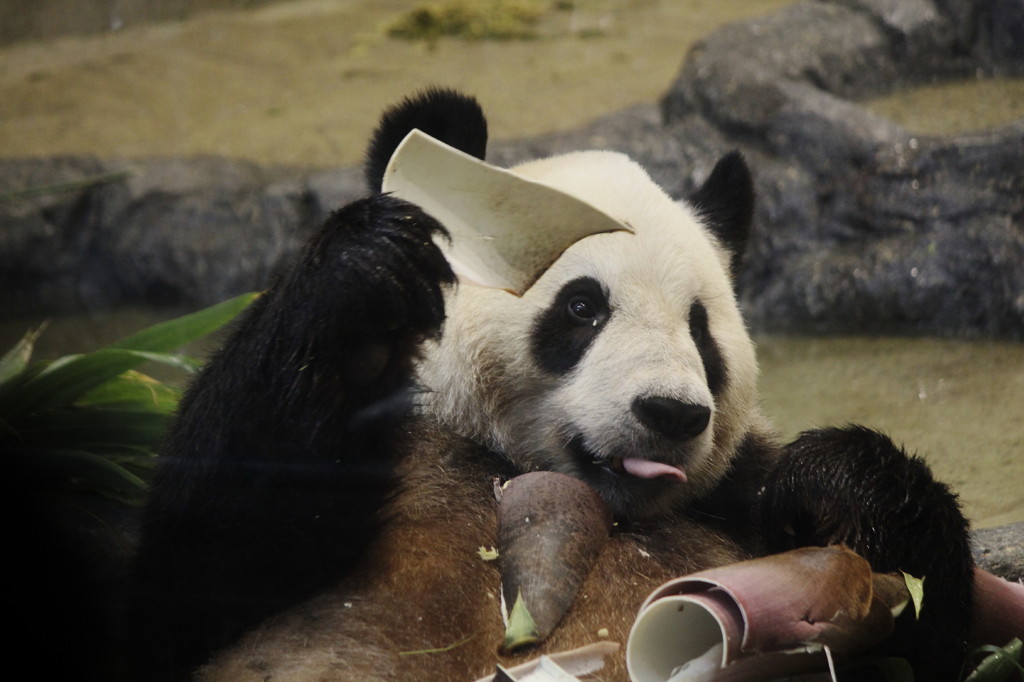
[634, 467]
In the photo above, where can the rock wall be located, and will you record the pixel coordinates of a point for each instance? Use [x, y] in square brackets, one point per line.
[80, 232]
[864, 225]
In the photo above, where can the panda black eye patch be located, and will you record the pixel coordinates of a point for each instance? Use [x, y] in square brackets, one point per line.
[710, 355]
[564, 331]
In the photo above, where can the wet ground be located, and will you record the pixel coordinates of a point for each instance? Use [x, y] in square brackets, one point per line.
[303, 82]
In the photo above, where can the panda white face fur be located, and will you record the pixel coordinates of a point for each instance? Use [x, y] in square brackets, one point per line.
[626, 364]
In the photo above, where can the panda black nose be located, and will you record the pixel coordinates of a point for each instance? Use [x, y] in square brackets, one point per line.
[672, 418]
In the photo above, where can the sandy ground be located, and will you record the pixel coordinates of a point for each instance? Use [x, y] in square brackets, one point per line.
[303, 82]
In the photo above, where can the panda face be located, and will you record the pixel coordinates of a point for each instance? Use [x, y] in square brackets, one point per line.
[626, 364]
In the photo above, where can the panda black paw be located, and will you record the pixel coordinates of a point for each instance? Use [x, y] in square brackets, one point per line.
[286, 438]
[377, 258]
[363, 294]
[856, 487]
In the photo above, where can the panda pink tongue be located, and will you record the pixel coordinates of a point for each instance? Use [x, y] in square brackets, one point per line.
[645, 468]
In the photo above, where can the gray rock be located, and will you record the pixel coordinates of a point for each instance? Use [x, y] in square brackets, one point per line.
[84, 233]
[1000, 550]
[861, 225]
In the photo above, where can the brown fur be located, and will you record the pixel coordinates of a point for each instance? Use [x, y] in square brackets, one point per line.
[426, 606]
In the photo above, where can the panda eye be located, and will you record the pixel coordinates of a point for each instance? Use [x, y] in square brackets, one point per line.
[581, 309]
[565, 329]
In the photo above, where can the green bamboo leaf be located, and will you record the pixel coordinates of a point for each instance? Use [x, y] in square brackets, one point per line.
[185, 363]
[142, 464]
[132, 390]
[92, 421]
[81, 428]
[167, 336]
[69, 378]
[16, 359]
[437, 650]
[915, 586]
[85, 470]
[9, 389]
[1000, 665]
[521, 628]
[139, 460]
[122, 453]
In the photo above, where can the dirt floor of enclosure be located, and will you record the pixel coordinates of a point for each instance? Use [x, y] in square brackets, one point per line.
[303, 82]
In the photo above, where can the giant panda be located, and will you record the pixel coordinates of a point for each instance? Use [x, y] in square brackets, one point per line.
[328, 480]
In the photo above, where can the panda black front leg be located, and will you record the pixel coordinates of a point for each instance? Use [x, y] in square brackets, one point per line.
[281, 454]
[854, 486]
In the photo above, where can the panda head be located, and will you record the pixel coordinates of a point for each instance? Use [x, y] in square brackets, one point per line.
[627, 364]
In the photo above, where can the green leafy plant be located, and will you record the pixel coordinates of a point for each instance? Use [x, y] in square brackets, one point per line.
[1000, 664]
[92, 421]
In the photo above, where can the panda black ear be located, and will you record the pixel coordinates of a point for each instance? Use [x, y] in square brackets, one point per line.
[725, 202]
[447, 115]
